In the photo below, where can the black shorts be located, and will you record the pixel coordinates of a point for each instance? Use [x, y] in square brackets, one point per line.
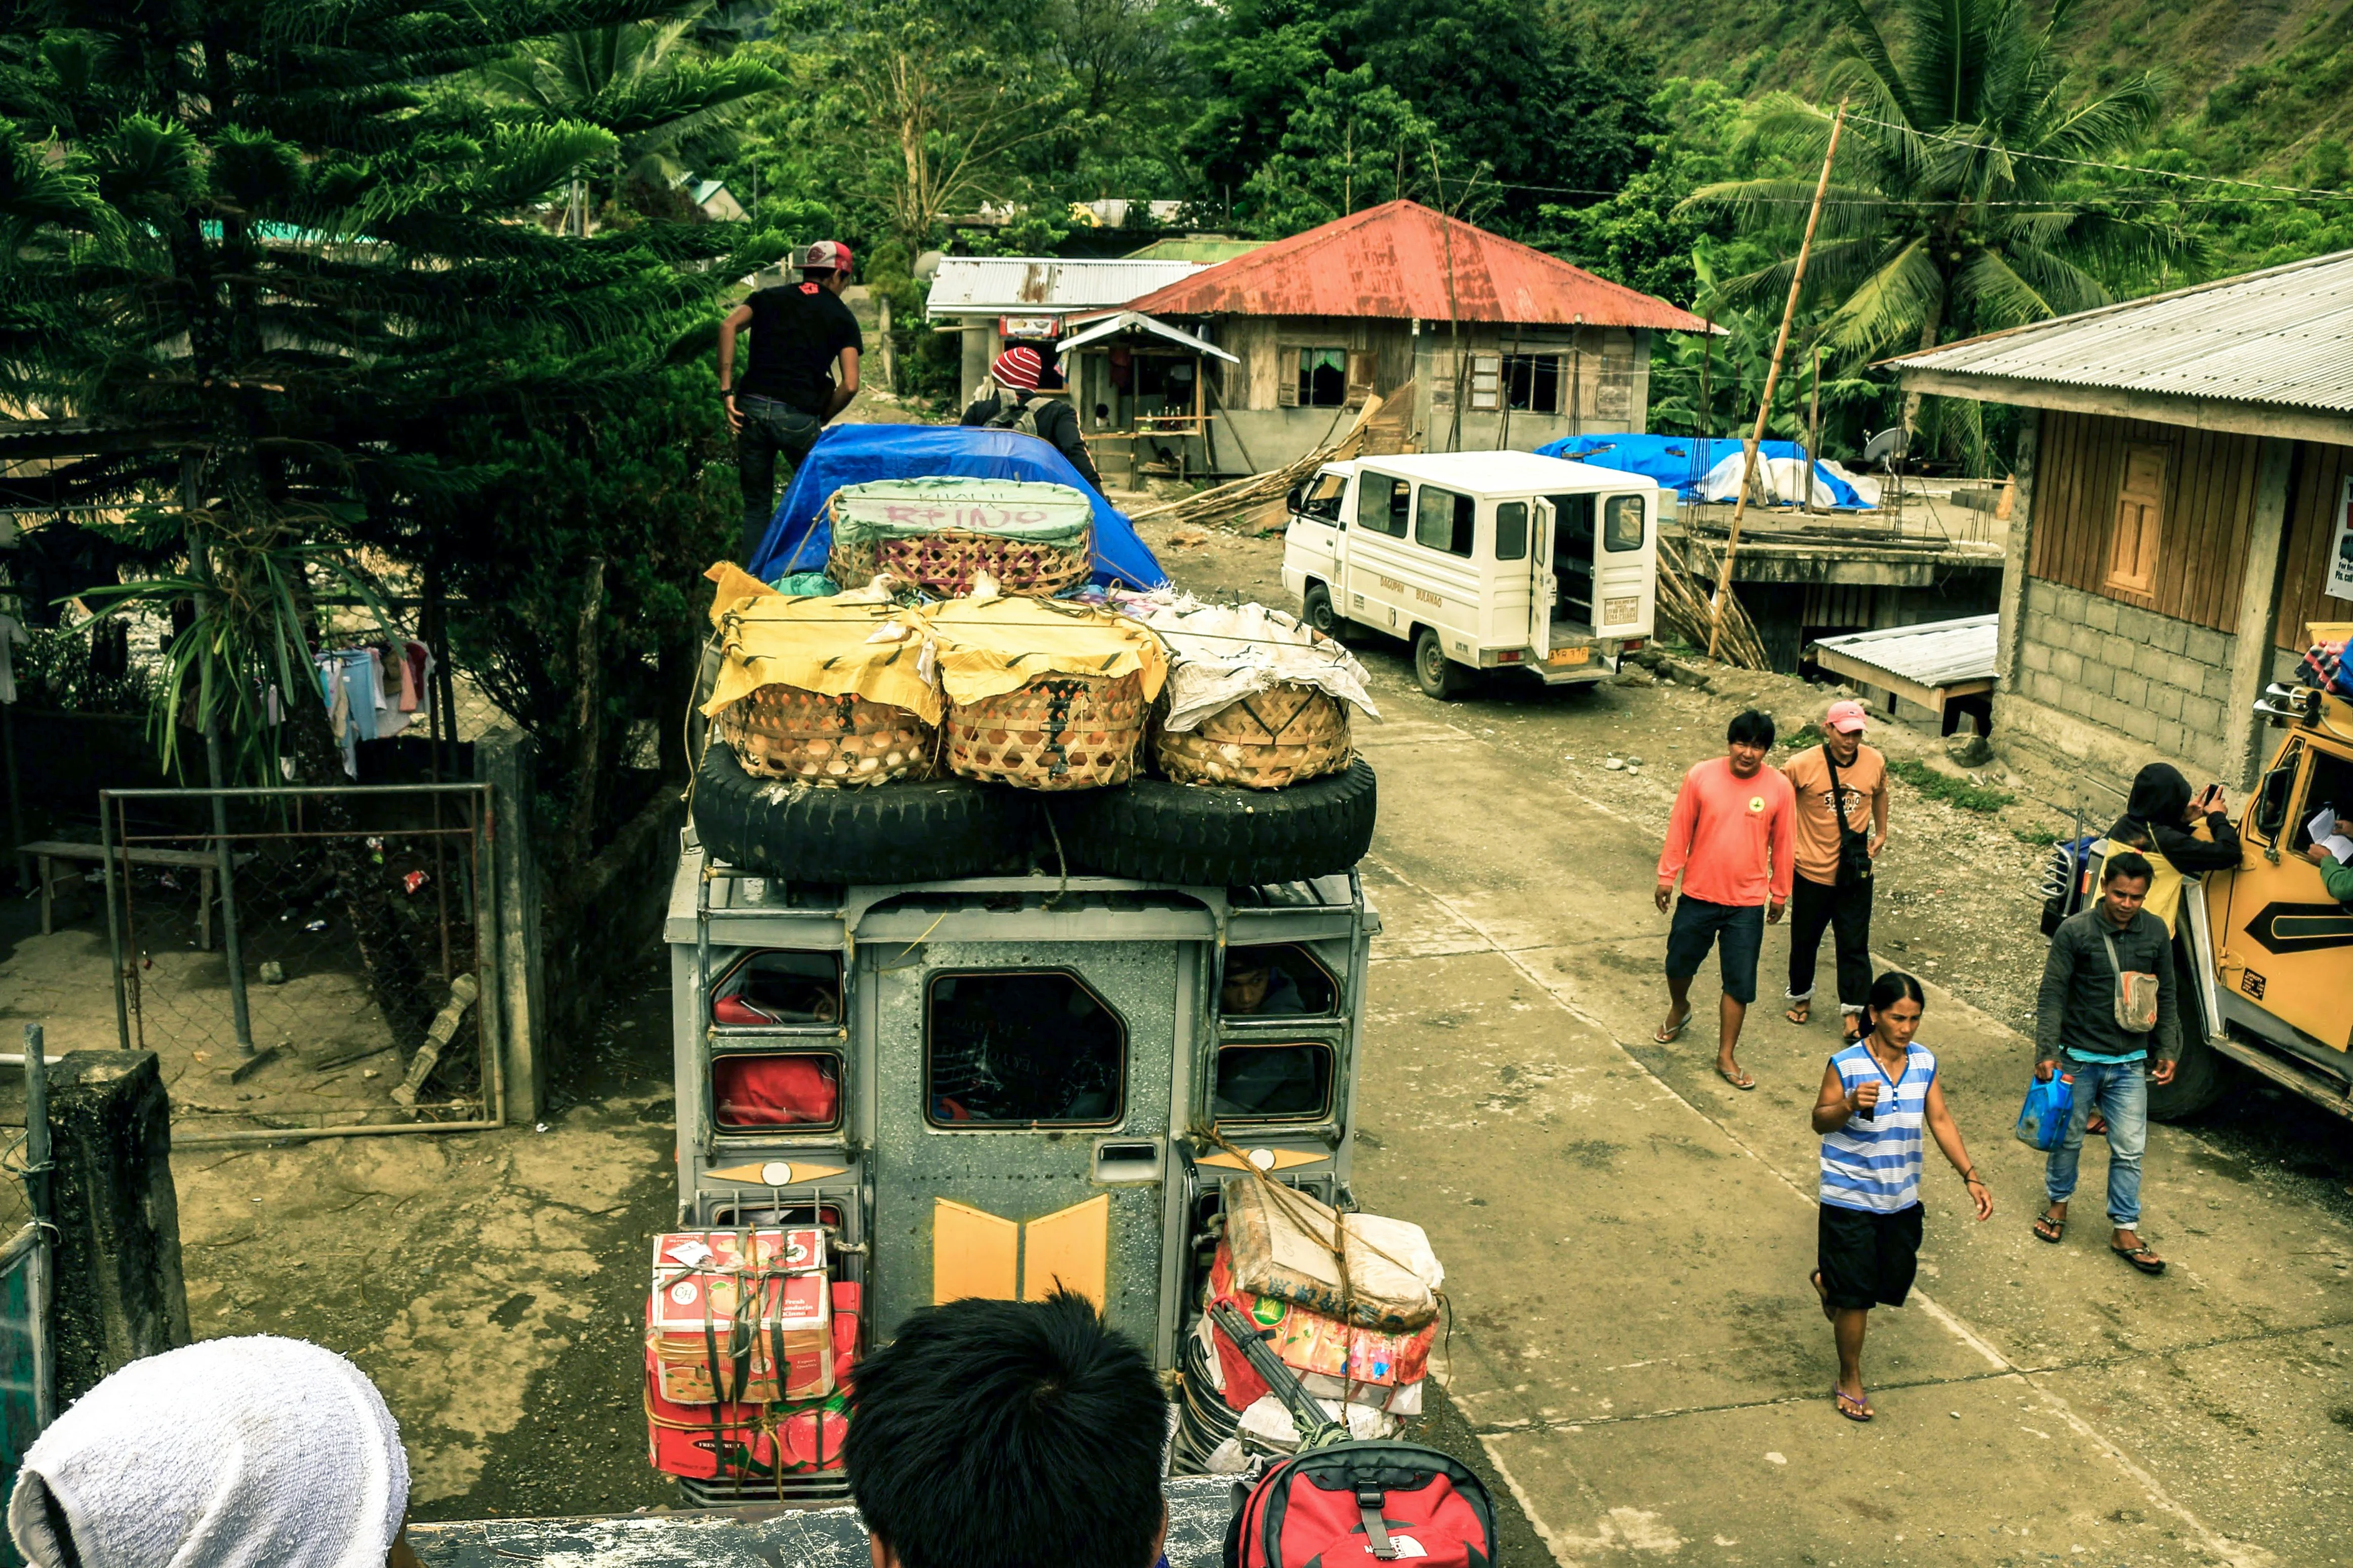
[1736, 931]
[1867, 1259]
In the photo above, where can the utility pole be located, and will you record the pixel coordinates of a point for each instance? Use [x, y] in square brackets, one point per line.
[1772, 378]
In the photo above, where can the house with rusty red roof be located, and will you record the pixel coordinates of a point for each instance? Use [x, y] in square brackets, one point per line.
[1471, 341]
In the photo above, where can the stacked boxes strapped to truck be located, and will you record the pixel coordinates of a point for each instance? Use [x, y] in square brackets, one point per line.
[998, 910]
[1482, 560]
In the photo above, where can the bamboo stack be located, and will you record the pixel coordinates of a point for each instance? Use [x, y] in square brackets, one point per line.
[1222, 501]
[1684, 604]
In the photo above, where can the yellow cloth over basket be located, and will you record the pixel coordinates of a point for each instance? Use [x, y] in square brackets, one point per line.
[995, 646]
[819, 645]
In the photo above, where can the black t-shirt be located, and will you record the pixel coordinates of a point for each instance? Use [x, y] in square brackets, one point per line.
[797, 330]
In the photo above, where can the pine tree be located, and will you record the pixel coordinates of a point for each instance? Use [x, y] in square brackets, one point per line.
[284, 252]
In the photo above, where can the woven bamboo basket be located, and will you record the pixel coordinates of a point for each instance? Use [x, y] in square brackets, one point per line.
[1059, 732]
[1265, 741]
[947, 564]
[784, 733]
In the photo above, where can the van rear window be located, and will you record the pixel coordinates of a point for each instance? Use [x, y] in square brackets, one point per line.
[1025, 1049]
[1511, 530]
[1381, 504]
[1621, 523]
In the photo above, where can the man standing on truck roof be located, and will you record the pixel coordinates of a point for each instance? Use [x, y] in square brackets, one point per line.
[1022, 374]
[1730, 837]
[800, 333]
[2096, 1020]
[1841, 784]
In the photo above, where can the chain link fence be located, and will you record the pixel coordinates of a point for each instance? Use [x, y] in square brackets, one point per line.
[306, 960]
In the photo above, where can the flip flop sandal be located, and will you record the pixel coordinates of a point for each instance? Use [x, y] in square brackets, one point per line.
[1744, 1081]
[2142, 1258]
[1798, 1013]
[2056, 1232]
[1669, 1037]
[1853, 1406]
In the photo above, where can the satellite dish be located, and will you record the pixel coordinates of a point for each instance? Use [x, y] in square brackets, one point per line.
[1890, 444]
[927, 264]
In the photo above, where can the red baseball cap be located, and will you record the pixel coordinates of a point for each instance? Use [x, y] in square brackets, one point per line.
[826, 256]
[1848, 716]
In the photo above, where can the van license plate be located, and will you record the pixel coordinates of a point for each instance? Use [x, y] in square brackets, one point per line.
[1568, 656]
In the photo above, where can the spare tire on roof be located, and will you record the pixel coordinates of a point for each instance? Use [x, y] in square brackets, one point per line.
[1215, 836]
[899, 832]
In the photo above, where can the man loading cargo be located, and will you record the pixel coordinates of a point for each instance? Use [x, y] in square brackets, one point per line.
[800, 333]
[1021, 373]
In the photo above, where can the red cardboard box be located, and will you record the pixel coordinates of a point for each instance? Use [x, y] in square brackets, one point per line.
[1307, 1340]
[747, 1438]
[739, 1299]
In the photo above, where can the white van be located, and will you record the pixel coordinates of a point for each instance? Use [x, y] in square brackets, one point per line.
[1480, 559]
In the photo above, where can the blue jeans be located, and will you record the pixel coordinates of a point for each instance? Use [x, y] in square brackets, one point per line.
[2120, 1091]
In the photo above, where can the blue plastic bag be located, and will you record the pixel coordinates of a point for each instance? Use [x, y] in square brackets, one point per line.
[2042, 1120]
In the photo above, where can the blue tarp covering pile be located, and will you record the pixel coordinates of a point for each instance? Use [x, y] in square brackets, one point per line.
[1681, 463]
[799, 536]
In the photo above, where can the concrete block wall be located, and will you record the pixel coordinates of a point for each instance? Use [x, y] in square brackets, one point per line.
[2138, 681]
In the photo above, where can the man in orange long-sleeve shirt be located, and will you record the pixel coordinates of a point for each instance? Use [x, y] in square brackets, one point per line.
[1731, 838]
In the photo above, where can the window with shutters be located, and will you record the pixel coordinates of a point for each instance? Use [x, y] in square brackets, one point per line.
[1486, 383]
[2140, 518]
[1360, 376]
[1319, 379]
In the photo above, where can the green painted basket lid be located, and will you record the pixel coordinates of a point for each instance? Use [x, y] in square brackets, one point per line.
[1013, 508]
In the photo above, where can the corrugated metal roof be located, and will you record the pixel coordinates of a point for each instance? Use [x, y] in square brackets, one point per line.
[2282, 336]
[1394, 261]
[1044, 285]
[1935, 653]
[1205, 248]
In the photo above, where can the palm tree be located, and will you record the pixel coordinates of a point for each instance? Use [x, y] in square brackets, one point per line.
[643, 82]
[1949, 211]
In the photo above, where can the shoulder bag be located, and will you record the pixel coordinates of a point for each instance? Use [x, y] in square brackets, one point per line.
[1854, 848]
[2135, 991]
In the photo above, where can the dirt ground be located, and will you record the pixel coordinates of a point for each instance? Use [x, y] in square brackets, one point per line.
[1633, 1361]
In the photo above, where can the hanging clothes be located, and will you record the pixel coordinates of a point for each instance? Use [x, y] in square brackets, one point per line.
[12, 632]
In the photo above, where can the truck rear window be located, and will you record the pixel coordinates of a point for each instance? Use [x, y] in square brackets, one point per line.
[1029, 1049]
[782, 1088]
[1291, 1081]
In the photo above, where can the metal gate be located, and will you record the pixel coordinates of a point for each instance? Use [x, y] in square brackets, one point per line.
[308, 961]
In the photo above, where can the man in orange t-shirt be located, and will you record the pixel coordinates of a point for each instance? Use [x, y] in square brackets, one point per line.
[1730, 839]
[1831, 895]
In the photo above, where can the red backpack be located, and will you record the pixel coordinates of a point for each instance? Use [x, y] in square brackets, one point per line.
[1349, 1504]
[1338, 1502]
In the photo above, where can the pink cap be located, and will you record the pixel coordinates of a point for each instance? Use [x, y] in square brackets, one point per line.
[826, 255]
[1848, 716]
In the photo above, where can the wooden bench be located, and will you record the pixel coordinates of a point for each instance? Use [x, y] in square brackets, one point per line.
[206, 863]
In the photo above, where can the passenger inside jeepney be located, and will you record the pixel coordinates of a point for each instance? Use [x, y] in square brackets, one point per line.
[1025, 1049]
[1274, 983]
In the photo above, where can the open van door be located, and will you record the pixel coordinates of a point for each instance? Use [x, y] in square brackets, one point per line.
[1625, 566]
[1541, 590]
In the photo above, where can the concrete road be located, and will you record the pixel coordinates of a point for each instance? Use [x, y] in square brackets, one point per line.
[1628, 1240]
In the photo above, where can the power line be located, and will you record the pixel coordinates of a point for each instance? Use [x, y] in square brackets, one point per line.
[2095, 163]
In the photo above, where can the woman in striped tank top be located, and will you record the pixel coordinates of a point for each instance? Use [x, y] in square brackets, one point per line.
[1876, 1096]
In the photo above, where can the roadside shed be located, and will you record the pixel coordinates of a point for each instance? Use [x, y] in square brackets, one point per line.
[1944, 666]
[2184, 510]
[997, 300]
[1486, 343]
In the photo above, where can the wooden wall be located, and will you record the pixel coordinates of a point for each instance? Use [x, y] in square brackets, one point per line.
[1259, 342]
[2209, 506]
[2316, 492]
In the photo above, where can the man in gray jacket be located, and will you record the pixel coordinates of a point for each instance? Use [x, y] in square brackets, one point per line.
[2077, 1031]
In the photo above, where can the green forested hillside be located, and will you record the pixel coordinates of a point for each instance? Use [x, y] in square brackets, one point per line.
[2255, 86]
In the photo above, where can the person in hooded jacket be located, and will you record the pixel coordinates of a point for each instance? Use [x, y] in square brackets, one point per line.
[1020, 374]
[2160, 820]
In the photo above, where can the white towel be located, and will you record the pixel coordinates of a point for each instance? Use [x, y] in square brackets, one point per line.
[240, 1453]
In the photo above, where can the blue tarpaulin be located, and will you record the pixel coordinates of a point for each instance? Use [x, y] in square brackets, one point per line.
[1681, 463]
[799, 536]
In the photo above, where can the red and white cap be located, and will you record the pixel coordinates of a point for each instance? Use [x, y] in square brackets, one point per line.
[1848, 716]
[1019, 367]
[826, 256]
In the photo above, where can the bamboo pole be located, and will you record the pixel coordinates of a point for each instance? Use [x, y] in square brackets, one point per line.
[1772, 377]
